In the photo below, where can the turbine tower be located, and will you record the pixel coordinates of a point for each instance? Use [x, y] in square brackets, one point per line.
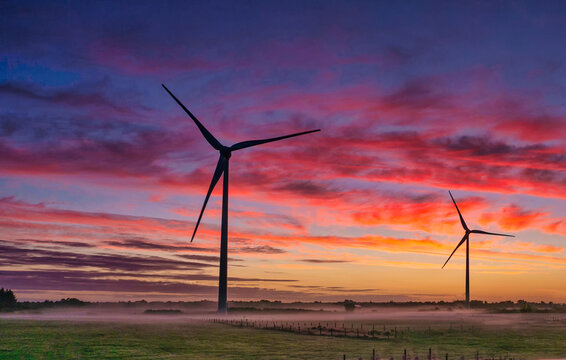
[466, 238]
[222, 168]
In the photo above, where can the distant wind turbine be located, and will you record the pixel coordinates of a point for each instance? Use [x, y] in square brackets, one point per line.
[222, 168]
[466, 238]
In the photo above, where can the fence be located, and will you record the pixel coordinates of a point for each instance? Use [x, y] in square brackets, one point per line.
[329, 328]
[431, 356]
[337, 329]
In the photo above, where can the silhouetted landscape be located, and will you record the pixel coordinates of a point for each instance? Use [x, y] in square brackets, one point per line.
[275, 306]
[370, 330]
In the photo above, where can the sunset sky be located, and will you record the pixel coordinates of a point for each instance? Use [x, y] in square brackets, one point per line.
[102, 175]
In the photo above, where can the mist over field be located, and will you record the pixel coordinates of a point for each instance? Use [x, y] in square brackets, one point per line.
[313, 331]
[142, 311]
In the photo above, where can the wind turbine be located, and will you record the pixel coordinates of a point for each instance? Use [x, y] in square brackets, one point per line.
[222, 168]
[466, 238]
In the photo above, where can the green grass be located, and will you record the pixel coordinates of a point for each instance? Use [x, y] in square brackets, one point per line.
[24, 339]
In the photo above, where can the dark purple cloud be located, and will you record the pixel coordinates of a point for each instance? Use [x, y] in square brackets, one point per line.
[86, 96]
[12, 255]
[418, 94]
[260, 249]
[308, 188]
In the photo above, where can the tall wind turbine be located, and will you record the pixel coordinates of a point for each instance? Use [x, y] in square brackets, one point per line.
[222, 168]
[466, 238]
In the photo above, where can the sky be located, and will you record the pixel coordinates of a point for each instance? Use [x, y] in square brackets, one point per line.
[102, 175]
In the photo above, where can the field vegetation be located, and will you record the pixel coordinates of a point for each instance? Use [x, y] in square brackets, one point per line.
[73, 329]
[137, 335]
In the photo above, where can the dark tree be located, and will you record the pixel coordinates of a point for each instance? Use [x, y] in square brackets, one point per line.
[7, 298]
[349, 305]
[71, 302]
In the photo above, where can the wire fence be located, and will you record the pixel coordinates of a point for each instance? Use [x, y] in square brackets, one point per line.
[333, 328]
[430, 356]
[358, 331]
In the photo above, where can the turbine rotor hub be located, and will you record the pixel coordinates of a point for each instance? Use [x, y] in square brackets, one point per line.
[225, 152]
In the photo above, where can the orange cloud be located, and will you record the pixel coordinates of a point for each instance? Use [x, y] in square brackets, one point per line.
[513, 217]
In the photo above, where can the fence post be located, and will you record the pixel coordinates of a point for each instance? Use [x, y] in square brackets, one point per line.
[344, 356]
[446, 356]
[373, 355]
[430, 354]
[405, 354]
[477, 355]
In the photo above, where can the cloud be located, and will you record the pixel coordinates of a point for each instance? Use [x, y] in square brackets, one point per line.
[324, 261]
[145, 286]
[260, 249]
[533, 128]
[418, 94]
[483, 162]
[110, 231]
[83, 96]
[259, 219]
[513, 218]
[143, 244]
[13, 255]
[73, 244]
[307, 188]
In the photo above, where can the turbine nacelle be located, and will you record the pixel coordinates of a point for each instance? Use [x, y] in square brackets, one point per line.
[225, 152]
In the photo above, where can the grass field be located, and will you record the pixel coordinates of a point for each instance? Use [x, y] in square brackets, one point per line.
[516, 336]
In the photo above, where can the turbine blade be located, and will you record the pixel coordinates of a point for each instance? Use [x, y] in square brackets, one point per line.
[460, 243]
[461, 218]
[489, 233]
[246, 144]
[217, 173]
[207, 135]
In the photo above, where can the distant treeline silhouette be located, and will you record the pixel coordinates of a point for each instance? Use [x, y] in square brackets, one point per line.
[8, 302]
[163, 311]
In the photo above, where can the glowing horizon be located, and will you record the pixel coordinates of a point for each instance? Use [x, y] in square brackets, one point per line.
[102, 176]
